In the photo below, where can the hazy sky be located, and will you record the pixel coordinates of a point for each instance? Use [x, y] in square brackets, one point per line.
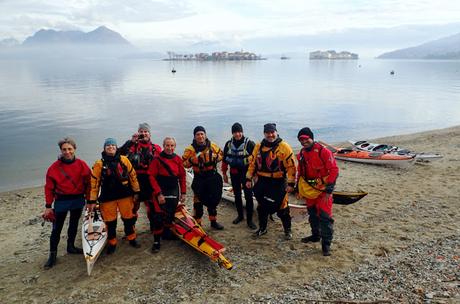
[230, 22]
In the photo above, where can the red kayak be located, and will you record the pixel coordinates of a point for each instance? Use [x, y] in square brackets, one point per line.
[189, 231]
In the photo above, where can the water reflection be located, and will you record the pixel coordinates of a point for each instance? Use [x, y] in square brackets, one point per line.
[43, 101]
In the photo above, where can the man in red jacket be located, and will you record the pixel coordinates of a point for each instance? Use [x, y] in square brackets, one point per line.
[66, 189]
[317, 173]
[168, 181]
[140, 151]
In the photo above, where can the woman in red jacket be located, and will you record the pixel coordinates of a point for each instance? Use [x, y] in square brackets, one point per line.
[167, 178]
[67, 186]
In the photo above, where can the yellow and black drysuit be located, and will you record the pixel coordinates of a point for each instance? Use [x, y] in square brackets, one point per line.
[273, 163]
[116, 179]
[207, 182]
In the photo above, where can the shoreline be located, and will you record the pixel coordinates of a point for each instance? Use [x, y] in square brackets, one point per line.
[296, 148]
[400, 244]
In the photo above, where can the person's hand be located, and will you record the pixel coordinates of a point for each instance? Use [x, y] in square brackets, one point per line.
[248, 184]
[48, 215]
[90, 206]
[225, 178]
[289, 189]
[161, 199]
[329, 188]
[136, 198]
[135, 137]
[182, 198]
[193, 160]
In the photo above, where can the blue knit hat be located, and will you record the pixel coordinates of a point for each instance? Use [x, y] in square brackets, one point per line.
[110, 141]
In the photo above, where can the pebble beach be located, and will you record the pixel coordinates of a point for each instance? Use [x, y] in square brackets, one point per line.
[400, 244]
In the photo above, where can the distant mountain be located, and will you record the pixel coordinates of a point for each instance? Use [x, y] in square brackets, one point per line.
[444, 48]
[100, 36]
[9, 42]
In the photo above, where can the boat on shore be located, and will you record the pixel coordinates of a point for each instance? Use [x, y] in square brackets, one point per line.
[299, 211]
[188, 230]
[364, 145]
[368, 157]
[94, 238]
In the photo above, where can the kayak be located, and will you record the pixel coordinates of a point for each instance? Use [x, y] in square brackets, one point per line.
[374, 158]
[94, 237]
[188, 230]
[347, 198]
[364, 145]
[299, 212]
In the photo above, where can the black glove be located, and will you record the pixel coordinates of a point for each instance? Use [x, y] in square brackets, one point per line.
[330, 188]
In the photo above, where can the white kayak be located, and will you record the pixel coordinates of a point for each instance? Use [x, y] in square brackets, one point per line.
[298, 213]
[94, 237]
[364, 145]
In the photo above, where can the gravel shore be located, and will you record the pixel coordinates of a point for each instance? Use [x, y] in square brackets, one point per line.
[400, 244]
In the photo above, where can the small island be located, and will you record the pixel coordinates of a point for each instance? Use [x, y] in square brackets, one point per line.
[215, 56]
[332, 55]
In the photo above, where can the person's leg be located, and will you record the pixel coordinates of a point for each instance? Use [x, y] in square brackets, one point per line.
[285, 217]
[74, 219]
[157, 218]
[212, 213]
[236, 186]
[197, 210]
[125, 205]
[109, 215]
[263, 219]
[326, 223]
[249, 202]
[313, 219]
[55, 237]
[168, 217]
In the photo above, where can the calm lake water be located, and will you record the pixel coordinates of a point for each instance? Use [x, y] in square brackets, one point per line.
[40, 102]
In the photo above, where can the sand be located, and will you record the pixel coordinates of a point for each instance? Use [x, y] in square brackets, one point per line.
[406, 209]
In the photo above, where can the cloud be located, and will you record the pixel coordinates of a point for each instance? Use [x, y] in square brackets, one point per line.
[223, 20]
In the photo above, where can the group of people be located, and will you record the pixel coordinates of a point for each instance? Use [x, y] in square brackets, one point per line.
[141, 171]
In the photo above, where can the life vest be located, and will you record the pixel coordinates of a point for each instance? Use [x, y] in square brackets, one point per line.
[119, 173]
[311, 187]
[207, 158]
[268, 163]
[237, 156]
[141, 155]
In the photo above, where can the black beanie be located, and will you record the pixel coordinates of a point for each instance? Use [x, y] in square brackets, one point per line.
[198, 129]
[270, 127]
[305, 131]
[237, 127]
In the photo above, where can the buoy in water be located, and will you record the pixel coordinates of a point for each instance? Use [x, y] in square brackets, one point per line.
[392, 72]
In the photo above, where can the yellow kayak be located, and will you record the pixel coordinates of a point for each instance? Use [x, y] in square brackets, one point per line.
[188, 230]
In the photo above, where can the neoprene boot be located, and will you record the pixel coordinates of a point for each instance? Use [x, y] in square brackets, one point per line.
[311, 239]
[51, 260]
[251, 225]
[326, 249]
[238, 219]
[111, 249]
[134, 243]
[71, 249]
[156, 243]
[216, 225]
[287, 234]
